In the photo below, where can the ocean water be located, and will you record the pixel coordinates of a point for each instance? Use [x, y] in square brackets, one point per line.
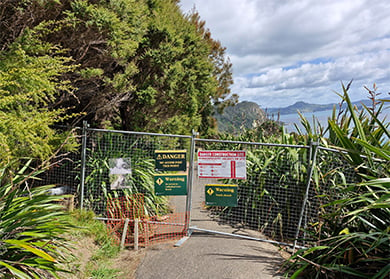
[290, 119]
[322, 116]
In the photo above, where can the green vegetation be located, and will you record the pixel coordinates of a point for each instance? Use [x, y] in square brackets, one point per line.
[352, 235]
[31, 229]
[102, 248]
[39, 238]
[141, 65]
[131, 65]
[144, 66]
[243, 116]
[30, 73]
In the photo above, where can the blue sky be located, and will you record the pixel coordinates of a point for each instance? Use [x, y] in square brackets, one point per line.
[284, 51]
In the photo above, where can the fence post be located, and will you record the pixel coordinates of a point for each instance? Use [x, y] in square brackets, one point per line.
[83, 161]
[312, 162]
[136, 233]
[124, 233]
[190, 181]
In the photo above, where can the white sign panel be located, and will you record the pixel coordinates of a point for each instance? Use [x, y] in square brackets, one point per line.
[222, 164]
[120, 173]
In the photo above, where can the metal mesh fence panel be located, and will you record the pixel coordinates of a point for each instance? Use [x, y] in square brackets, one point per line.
[331, 169]
[270, 199]
[132, 195]
[138, 152]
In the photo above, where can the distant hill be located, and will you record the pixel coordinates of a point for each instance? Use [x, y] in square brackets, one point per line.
[306, 107]
[249, 114]
[243, 115]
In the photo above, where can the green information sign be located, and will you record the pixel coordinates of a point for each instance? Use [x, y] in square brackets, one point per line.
[170, 184]
[171, 160]
[221, 194]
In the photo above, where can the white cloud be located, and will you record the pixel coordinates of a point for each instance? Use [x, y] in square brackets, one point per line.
[287, 51]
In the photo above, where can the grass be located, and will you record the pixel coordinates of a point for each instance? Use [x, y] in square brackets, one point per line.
[97, 254]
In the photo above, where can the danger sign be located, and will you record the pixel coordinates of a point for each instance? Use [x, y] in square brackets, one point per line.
[222, 164]
[171, 160]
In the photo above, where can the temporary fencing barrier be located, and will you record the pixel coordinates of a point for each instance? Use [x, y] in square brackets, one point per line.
[275, 189]
[127, 221]
[118, 184]
[271, 197]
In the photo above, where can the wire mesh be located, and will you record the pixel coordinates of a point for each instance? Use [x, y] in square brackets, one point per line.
[138, 151]
[131, 194]
[331, 169]
[270, 199]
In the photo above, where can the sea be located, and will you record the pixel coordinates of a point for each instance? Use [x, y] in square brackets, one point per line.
[290, 119]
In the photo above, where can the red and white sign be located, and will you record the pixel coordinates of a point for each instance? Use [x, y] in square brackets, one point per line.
[222, 164]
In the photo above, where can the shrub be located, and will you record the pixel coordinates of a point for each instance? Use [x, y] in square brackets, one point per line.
[31, 228]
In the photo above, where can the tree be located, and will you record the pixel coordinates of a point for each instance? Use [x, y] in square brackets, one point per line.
[143, 65]
[29, 82]
[127, 64]
[179, 79]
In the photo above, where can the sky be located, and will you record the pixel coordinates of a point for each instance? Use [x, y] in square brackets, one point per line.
[285, 51]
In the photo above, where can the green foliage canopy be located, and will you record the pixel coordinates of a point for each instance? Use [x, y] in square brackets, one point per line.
[125, 64]
[143, 65]
[29, 82]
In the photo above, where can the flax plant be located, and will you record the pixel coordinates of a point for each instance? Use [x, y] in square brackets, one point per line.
[32, 226]
[352, 236]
